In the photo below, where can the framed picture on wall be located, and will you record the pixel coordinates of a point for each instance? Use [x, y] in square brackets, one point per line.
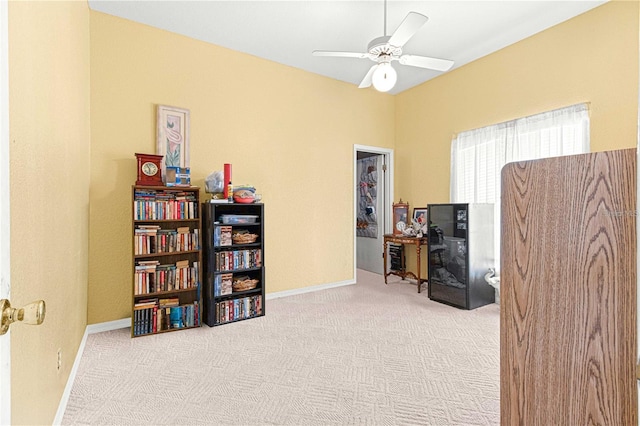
[173, 136]
[400, 216]
[420, 215]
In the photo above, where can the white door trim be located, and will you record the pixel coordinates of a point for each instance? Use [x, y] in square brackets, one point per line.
[5, 286]
[388, 190]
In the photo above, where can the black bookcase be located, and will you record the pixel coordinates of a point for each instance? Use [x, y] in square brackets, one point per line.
[461, 251]
[227, 261]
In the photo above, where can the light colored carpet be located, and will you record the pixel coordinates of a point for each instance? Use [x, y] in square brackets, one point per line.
[360, 354]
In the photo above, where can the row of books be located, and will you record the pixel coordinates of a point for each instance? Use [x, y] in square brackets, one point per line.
[152, 277]
[169, 202]
[163, 194]
[154, 315]
[164, 210]
[237, 309]
[151, 239]
[238, 259]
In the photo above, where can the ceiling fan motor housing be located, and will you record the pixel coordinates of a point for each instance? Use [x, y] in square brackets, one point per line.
[379, 48]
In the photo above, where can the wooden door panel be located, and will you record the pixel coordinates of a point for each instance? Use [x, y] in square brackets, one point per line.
[568, 290]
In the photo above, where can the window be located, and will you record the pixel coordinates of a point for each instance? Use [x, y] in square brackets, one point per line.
[477, 156]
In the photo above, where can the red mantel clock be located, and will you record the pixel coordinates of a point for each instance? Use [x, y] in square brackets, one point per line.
[149, 171]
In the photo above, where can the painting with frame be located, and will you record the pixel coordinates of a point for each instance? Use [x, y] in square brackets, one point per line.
[173, 136]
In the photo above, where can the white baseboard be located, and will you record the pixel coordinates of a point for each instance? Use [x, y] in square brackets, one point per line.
[126, 323]
[91, 329]
[109, 325]
[310, 289]
[62, 406]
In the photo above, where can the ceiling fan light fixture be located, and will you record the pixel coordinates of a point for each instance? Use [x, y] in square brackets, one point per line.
[384, 77]
[383, 50]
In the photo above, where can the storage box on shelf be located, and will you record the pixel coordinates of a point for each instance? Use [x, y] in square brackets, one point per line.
[233, 237]
[167, 259]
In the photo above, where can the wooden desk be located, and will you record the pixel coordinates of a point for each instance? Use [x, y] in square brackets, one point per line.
[400, 239]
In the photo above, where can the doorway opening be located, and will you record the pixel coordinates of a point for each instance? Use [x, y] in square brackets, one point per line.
[373, 195]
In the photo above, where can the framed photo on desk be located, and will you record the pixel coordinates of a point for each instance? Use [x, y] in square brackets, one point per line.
[420, 215]
[400, 217]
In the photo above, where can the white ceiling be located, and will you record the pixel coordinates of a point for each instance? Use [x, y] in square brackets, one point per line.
[288, 31]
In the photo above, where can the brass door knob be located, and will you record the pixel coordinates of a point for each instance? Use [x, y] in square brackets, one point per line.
[33, 313]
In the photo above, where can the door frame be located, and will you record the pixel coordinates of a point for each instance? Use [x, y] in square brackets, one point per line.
[5, 287]
[387, 153]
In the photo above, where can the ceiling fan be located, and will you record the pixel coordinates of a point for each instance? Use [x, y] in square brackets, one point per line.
[383, 50]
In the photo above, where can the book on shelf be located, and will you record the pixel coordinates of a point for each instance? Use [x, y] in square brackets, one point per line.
[176, 317]
[145, 303]
[169, 301]
[147, 228]
[216, 285]
[144, 316]
[225, 235]
[226, 284]
[222, 236]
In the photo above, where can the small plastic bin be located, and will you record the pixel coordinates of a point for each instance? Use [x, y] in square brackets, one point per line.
[238, 219]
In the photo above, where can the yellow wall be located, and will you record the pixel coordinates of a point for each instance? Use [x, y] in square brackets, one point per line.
[288, 132]
[49, 172]
[590, 58]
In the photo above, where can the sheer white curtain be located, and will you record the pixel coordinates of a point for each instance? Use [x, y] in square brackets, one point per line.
[477, 156]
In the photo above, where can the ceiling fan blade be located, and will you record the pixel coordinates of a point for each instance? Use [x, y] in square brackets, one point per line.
[340, 54]
[426, 62]
[411, 24]
[366, 81]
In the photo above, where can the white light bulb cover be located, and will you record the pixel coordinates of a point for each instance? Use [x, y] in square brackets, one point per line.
[384, 77]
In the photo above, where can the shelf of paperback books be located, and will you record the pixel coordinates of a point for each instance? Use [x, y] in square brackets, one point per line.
[167, 259]
[233, 238]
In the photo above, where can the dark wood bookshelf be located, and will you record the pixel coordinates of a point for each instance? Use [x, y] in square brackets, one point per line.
[179, 270]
